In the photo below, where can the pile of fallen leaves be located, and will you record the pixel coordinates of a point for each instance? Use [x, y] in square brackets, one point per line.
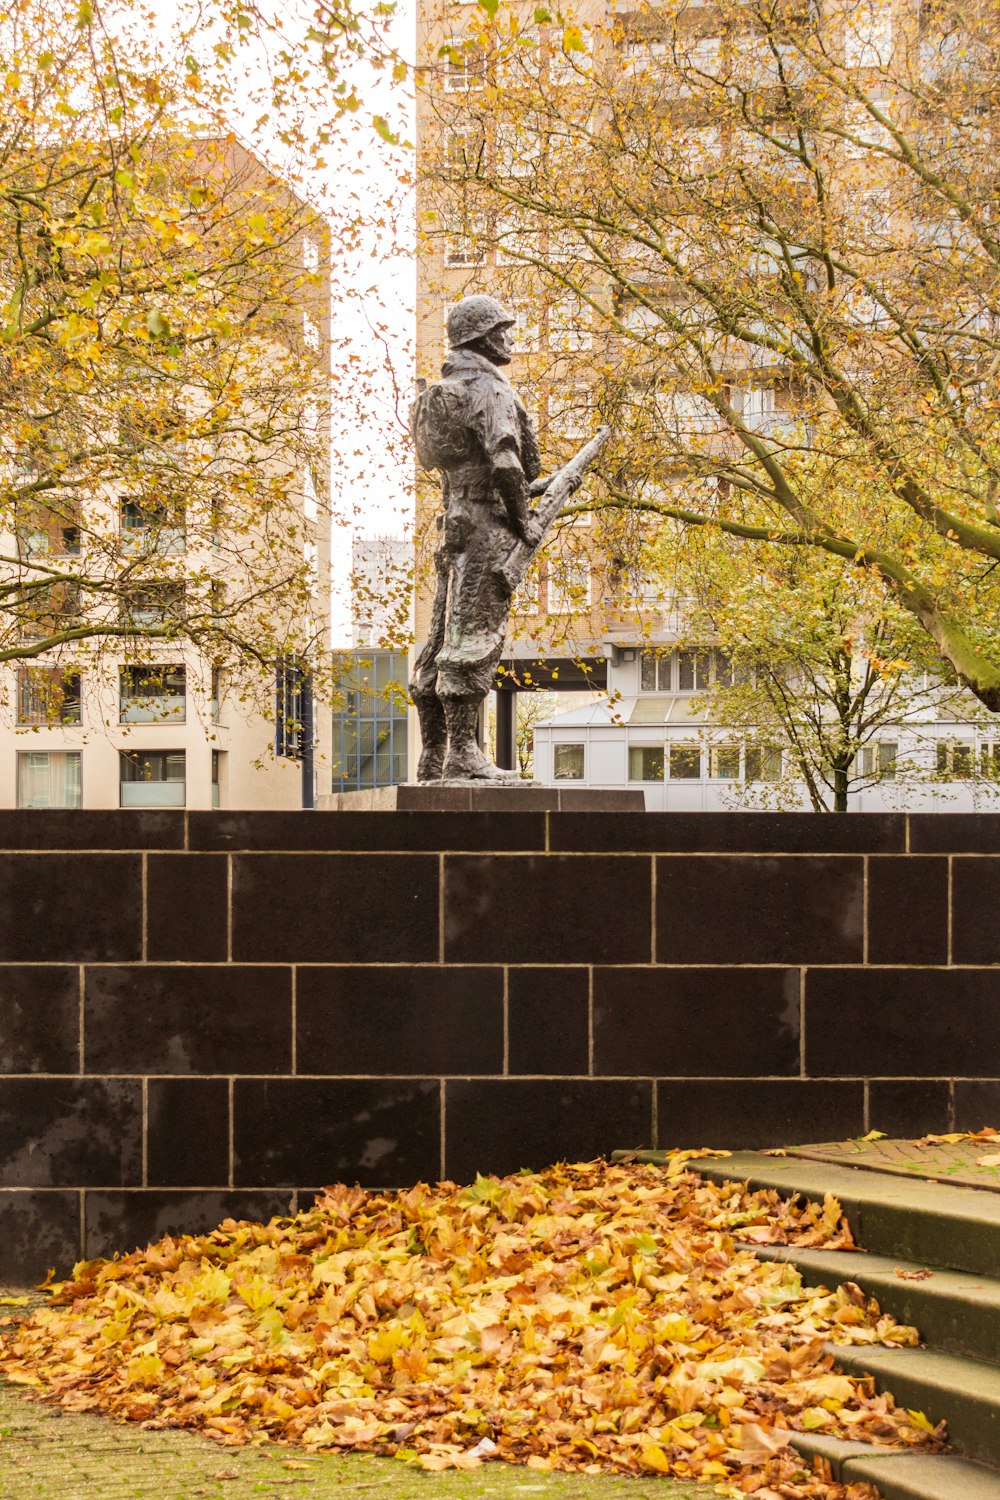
[592, 1317]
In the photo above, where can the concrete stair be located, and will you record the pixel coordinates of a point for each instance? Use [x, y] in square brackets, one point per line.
[908, 1225]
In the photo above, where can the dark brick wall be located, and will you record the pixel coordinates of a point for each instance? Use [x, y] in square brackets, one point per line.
[210, 1013]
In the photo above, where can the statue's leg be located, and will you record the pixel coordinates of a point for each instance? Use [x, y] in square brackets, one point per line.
[423, 683]
[467, 663]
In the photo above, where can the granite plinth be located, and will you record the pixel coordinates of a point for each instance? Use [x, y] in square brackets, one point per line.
[483, 796]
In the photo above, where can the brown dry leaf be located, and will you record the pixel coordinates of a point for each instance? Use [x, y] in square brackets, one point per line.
[592, 1317]
[993, 1160]
[922, 1275]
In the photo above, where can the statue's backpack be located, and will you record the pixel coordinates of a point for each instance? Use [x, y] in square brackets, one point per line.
[438, 426]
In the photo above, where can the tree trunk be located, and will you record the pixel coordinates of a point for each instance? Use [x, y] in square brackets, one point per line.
[840, 774]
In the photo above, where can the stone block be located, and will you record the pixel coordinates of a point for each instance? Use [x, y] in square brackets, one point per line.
[39, 1019]
[907, 910]
[309, 1132]
[70, 908]
[548, 1021]
[187, 1132]
[538, 909]
[70, 1132]
[335, 908]
[187, 904]
[697, 1022]
[732, 1114]
[165, 1018]
[399, 1020]
[500, 1125]
[746, 909]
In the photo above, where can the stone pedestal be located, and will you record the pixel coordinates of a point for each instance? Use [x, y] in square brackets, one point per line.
[483, 796]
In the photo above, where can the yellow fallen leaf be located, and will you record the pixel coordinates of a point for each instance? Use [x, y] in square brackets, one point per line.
[983, 1161]
[653, 1457]
[14, 1301]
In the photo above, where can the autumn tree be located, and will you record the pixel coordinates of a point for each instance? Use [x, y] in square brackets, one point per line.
[163, 367]
[761, 239]
[829, 682]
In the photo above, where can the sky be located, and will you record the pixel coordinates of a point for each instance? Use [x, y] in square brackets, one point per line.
[373, 289]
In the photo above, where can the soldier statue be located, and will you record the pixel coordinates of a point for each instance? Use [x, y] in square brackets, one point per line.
[474, 429]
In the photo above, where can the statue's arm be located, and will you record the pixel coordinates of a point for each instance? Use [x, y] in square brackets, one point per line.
[499, 432]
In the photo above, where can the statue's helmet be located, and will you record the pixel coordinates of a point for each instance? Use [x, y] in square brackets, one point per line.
[474, 317]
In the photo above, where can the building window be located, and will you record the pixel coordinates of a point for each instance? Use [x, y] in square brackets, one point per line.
[645, 763]
[517, 152]
[310, 332]
[569, 587]
[152, 604]
[217, 777]
[655, 671]
[217, 694]
[569, 414]
[464, 242]
[50, 531]
[310, 254]
[990, 760]
[954, 759]
[153, 694]
[152, 778]
[568, 762]
[46, 695]
[370, 729]
[763, 763]
[692, 671]
[878, 760]
[148, 526]
[465, 66]
[685, 762]
[51, 778]
[526, 331]
[724, 762]
[41, 610]
[569, 325]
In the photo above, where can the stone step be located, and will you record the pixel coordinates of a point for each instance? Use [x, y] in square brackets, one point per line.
[965, 1392]
[903, 1476]
[954, 1311]
[926, 1223]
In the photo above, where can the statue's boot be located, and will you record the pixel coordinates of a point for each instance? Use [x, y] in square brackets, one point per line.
[433, 736]
[465, 760]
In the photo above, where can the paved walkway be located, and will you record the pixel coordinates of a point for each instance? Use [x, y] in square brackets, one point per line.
[963, 1163]
[46, 1455]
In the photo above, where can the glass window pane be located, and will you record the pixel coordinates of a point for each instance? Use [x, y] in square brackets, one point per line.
[50, 779]
[645, 763]
[763, 763]
[692, 674]
[726, 762]
[568, 762]
[685, 762]
[723, 669]
[647, 672]
[664, 672]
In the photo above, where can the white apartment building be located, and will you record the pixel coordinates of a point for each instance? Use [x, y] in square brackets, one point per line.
[652, 732]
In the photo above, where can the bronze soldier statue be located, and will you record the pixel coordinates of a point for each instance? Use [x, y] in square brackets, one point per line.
[472, 427]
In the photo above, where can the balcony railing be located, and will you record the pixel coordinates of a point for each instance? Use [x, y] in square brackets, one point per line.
[153, 793]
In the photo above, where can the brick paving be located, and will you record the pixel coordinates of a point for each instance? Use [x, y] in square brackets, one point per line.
[958, 1162]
